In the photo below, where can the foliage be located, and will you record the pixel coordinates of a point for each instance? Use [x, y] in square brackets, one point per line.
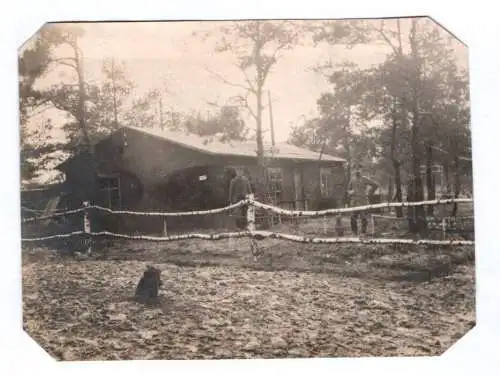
[226, 126]
[417, 97]
[256, 46]
[383, 117]
[113, 93]
[92, 110]
[142, 110]
[34, 62]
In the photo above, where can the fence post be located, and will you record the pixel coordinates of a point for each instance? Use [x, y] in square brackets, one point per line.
[339, 226]
[251, 225]
[443, 228]
[87, 228]
[165, 232]
[250, 213]
[373, 224]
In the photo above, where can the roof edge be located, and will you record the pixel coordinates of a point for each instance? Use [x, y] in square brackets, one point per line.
[138, 130]
[205, 151]
[62, 166]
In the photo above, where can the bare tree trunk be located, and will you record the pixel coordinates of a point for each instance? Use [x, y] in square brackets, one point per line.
[271, 120]
[348, 174]
[458, 186]
[260, 142]
[446, 175]
[456, 173]
[259, 88]
[82, 120]
[260, 83]
[410, 196]
[431, 182]
[396, 165]
[399, 189]
[261, 185]
[349, 158]
[418, 195]
[346, 186]
[417, 190]
[390, 189]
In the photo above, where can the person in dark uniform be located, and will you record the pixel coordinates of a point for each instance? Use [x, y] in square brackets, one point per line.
[359, 197]
[239, 188]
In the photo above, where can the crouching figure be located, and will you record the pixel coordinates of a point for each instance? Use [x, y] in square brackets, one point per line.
[149, 284]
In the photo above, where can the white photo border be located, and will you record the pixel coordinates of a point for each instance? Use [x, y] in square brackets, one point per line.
[475, 23]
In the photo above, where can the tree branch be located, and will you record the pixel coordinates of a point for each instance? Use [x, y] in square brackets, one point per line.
[63, 107]
[65, 61]
[386, 38]
[244, 101]
[40, 108]
[271, 62]
[225, 81]
[250, 84]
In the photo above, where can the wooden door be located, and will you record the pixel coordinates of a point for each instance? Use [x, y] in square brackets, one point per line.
[298, 189]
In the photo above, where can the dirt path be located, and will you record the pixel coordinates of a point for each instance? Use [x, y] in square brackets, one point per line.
[296, 301]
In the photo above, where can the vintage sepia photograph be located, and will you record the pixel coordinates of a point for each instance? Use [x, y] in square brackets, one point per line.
[246, 189]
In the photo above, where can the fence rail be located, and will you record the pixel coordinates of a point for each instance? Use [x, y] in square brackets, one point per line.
[251, 232]
[253, 202]
[258, 235]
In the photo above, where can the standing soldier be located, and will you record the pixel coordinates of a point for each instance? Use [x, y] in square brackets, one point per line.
[360, 197]
[239, 188]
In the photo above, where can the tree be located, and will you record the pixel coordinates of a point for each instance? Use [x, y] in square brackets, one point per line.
[92, 109]
[341, 127]
[68, 36]
[257, 46]
[104, 104]
[409, 92]
[150, 111]
[307, 135]
[227, 125]
[68, 97]
[142, 110]
[36, 59]
[115, 89]
[33, 62]
[430, 73]
[379, 95]
[337, 130]
[439, 82]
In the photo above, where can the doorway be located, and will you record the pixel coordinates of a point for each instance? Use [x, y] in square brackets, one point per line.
[298, 189]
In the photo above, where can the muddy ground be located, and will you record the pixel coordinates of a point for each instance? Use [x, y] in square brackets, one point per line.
[296, 300]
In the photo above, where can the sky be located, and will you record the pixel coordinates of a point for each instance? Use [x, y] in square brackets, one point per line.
[159, 54]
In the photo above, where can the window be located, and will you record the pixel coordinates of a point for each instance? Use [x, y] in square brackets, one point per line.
[109, 186]
[326, 183]
[238, 168]
[275, 183]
